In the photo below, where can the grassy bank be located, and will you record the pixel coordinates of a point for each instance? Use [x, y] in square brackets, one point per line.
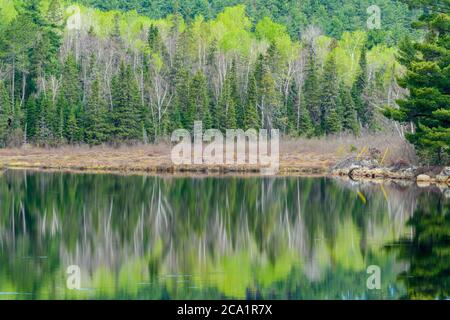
[299, 156]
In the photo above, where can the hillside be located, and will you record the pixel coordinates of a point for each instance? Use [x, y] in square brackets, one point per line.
[333, 17]
[71, 74]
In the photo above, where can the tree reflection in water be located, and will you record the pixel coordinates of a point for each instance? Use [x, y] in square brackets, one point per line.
[427, 250]
[188, 238]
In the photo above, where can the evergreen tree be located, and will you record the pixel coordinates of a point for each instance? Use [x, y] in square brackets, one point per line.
[330, 95]
[333, 122]
[305, 124]
[156, 43]
[311, 91]
[349, 121]
[55, 14]
[70, 99]
[360, 93]
[227, 105]
[251, 116]
[126, 106]
[115, 33]
[43, 59]
[292, 105]
[45, 135]
[181, 79]
[5, 114]
[199, 100]
[97, 127]
[428, 106]
[72, 131]
[239, 108]
[31, 119]
[267, 94]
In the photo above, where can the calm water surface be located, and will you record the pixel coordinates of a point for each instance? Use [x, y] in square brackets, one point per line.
[217, 238]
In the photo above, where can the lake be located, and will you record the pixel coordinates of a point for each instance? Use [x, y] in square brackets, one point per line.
[142, 237]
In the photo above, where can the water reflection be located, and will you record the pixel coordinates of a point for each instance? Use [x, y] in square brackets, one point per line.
[427, 250]
[193, 238]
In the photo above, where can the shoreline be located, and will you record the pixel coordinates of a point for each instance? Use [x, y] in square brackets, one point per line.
[175, 170]
[151, 159]
[155, 160]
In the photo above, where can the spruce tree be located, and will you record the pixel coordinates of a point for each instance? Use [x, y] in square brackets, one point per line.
[70, 99]
[251, 116]
[227, 105]
[5, 114]
[72, 127]
[126, 106]
[360, 92]
[181, 79]
[239, 108]
[96, 126]
[45, 134]
[311, 91]
[305, 124]
[349, 121]
[333, 122]
[330, 95]
[292, 105]
[268, 98]
[199, 100]
[156, 43]
[31, 119]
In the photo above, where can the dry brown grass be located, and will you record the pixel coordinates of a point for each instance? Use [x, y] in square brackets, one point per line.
[339, 147]
[296, 156]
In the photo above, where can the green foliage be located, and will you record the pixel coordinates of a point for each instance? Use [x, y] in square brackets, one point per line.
[251, 116]
[227, 103]
[331, 123]
[333, 17]
[123, 77]
[305, 125]
[5, 114]
[427, 252]
[349, 121]
[427, 79]
[126, 106]
[266, 259]
[97, 126]
[199, 100]
[311, 91]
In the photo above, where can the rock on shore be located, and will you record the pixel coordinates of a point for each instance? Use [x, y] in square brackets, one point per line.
[371, 169]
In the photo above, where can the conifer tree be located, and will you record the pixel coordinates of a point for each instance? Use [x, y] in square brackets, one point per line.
[267, 94]
[427, 78]
[227, 105]
[239, 108]
[330, 95]
[349, 121]
[181, 80]
[5, 114]
[31, 119]
[305, 124]
[70, 99]
[332, 122]
[360, 91]
[251, 116]
[156, 44]
[45, 135]
[199, 100]
[72, 127]
[311, 91]
[97, 127]
[292, 105]
[126, 106]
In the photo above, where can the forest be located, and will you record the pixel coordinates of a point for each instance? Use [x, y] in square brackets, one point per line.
[114, 72]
